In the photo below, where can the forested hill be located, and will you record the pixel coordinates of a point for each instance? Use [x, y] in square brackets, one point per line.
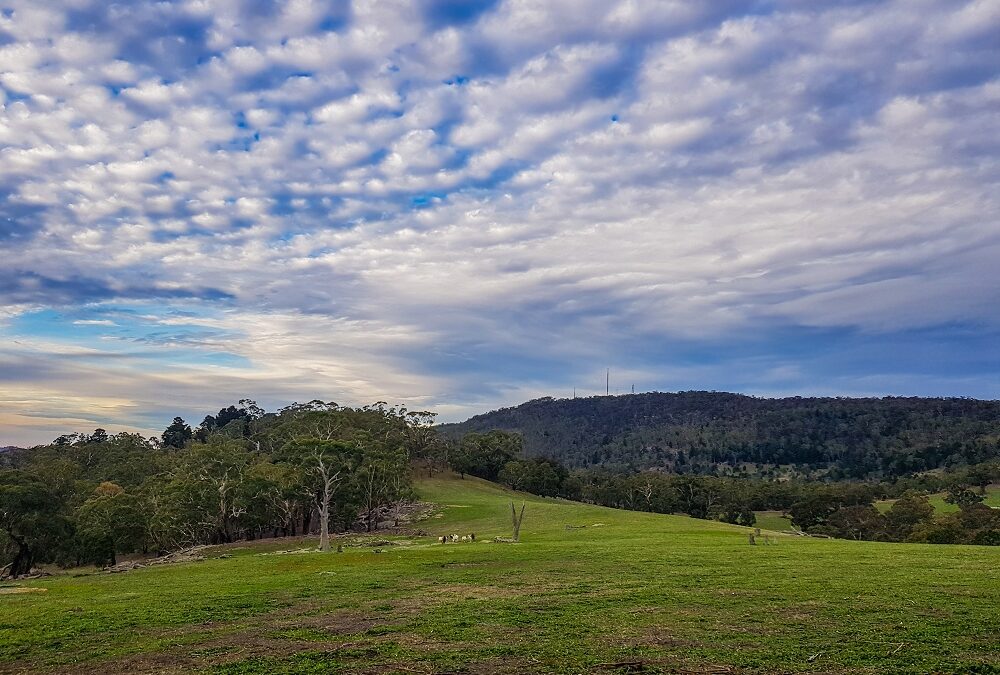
[701, 431]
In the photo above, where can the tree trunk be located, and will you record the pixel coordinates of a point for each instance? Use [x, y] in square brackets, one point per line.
[324, 527]
[22, 559]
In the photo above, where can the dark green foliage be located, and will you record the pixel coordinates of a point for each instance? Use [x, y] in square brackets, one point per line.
[974, 523]
[698, 432]
[177, 434]
[815, 509]
[540, 475]
[30, 519]
[906, 514]
[963, 497]
[236, 421]
[861, 521]
[110, 522]
[485, 455]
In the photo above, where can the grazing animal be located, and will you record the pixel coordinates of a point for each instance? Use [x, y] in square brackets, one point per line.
[472, 537]
[465, 538]
[443, 540]
[454, 537]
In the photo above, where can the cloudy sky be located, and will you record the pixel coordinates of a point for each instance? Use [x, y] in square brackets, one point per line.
[457, 205]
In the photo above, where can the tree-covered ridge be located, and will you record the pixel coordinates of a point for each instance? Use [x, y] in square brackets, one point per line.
[702, 432]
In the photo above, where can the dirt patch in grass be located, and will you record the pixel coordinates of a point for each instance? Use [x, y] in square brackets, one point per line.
[441, 594]
[497, 666]
[188, 658]
[281, 633]
[663, 640]
[14, 590]
[342, 623]
[801, 611]
[246, 645]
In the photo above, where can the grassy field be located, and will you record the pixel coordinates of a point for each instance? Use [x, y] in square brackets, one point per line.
[676, 594]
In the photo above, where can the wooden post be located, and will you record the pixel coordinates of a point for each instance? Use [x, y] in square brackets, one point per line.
[517, 520]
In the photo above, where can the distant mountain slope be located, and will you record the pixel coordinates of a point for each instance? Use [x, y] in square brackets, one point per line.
[694, 431]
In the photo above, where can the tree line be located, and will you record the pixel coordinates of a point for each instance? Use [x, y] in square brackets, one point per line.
[241, 474]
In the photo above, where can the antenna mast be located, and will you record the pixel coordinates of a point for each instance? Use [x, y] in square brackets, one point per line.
[607, 383]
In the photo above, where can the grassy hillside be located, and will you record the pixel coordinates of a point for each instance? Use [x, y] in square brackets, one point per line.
[675, 593]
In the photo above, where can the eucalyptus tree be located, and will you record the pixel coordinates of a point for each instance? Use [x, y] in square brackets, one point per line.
[112, 521]
[31, 518]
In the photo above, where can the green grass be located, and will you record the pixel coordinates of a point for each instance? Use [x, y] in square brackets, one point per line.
[676, 593]
[773, 520]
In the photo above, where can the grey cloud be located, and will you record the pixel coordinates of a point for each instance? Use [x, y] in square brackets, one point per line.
[19, 287]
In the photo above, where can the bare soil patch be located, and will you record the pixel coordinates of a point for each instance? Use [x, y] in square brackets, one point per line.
[14, 590]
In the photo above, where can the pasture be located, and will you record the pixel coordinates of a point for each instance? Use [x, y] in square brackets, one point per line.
[588, 589]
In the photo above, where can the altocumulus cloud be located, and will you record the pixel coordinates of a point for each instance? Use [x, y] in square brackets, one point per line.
[456, 205]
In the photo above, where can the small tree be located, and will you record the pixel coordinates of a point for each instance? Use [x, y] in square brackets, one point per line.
[177, 434]
[963, 497]
[906, 514]
[110, 522]
[29, 514]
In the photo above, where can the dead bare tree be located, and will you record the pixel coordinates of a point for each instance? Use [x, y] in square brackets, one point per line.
[328, 483]
[517, 518]
[646, 490]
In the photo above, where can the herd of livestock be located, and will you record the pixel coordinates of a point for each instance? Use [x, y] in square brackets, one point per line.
[454, 538]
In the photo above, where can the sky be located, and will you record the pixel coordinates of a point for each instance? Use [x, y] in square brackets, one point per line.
[460, 205]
